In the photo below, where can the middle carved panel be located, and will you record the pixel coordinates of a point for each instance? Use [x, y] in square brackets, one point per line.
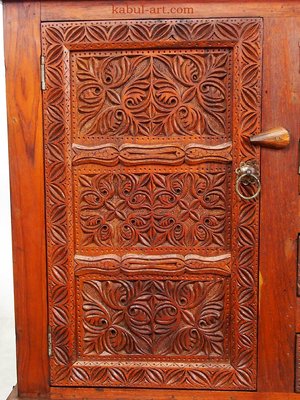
[153, 209]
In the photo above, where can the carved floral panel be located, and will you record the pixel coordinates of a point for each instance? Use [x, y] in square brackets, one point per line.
[154, 210]
[154, 318]
[154, 94]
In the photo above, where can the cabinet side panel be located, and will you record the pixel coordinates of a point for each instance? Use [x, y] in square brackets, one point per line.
[22, 59]
[279, 208]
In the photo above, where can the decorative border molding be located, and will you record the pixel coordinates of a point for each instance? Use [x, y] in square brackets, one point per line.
[171, 264]
[244, 36]
[134, 154]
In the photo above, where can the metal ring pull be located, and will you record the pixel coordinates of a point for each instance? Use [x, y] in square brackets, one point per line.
[240, 179]
[248, 174]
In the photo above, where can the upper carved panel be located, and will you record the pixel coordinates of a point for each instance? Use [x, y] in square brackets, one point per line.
[160, 94]
[153, 210]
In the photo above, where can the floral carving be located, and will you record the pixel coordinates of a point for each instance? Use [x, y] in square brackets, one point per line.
[154, 317]
[158, 94]
[152, 210]
[241, 37]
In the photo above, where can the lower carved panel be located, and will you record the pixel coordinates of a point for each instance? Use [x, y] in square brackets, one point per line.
[153, 333]
[154, 318]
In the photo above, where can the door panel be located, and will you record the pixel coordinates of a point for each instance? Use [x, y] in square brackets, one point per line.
[152, 256]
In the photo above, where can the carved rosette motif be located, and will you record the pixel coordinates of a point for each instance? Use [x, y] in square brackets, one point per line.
[243, 38]
[154, 210]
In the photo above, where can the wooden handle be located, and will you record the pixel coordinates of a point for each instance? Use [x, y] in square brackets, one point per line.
[276, 138]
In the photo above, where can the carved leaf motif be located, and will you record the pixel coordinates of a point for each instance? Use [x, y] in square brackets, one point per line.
[76, 34]
[153, 95]
[200, 31]
[96, 33]
[153, 317]
[227, 30]
[118, 32]
[154, 209]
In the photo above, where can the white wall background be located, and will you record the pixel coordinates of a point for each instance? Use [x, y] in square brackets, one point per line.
[7, 331]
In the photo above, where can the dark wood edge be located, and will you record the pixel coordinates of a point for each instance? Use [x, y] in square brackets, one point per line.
[170, 394]
[25, 141]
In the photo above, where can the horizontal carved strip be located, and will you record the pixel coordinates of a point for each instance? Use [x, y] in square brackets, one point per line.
[154, 364]
[138, 264]
[135, 154]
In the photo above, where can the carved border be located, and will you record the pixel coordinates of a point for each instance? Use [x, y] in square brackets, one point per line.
[244, 36]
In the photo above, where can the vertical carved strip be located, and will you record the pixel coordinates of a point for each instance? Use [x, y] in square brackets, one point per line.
[56, 123]
[245, 232]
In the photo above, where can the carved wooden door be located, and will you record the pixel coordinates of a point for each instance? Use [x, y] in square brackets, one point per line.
[152, 256]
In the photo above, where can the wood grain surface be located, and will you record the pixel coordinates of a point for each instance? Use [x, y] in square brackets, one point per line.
[25, 136]
[278, 316]
[89, 10]
[278, 238]
[119, 394]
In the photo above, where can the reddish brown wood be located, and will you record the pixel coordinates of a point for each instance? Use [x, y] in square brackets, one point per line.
[279, 208]
[275, 138]
[149, 394]
[89, 10]
[22, 55]
[277, 325]
[298, 268]
[297, 323]
[128, 311]
[297, 364]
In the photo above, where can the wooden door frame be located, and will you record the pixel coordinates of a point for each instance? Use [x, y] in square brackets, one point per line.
[278, 240]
